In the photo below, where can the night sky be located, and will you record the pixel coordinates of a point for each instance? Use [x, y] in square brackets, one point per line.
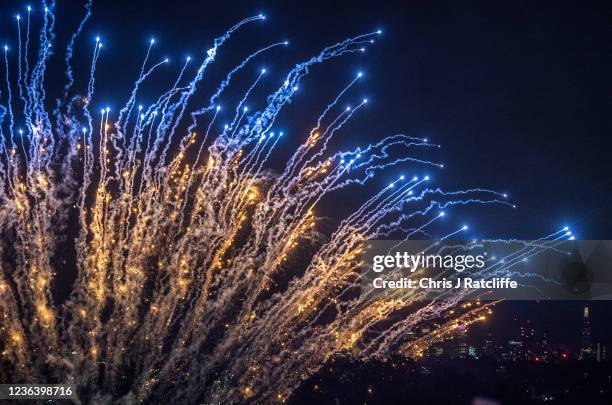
[518, 93]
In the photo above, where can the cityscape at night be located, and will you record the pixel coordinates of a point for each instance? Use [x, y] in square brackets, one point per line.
[519, 361]
[528, 341]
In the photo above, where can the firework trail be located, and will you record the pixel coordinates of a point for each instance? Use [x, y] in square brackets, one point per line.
[201, 274]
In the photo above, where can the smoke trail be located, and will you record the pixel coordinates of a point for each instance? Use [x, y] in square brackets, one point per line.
[201, 275]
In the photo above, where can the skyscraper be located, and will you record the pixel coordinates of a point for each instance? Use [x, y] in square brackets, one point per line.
[586, 348]
[462, 344]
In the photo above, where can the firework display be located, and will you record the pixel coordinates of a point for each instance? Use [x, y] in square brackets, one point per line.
[200, 273]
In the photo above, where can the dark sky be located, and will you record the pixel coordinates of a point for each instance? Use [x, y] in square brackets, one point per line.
[518, 93]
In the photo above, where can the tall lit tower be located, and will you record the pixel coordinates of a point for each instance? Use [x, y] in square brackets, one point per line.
[586, 349]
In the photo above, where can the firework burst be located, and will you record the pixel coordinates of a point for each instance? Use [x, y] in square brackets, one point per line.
[200, 274]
